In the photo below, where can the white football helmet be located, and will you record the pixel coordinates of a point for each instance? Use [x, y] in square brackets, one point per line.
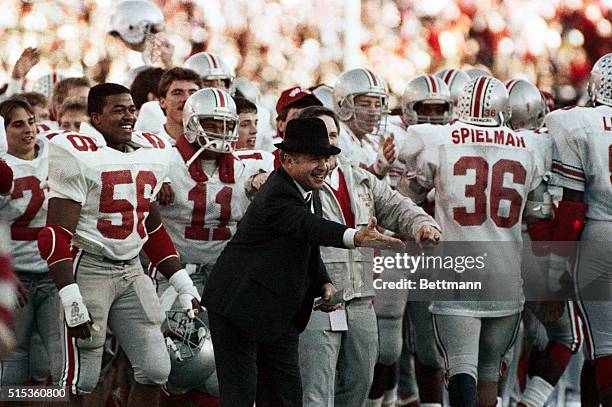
[426, 89]
[600, 81]
[455, 79]
[210, 67]
[527, 106]
[211, 103]
[247, 89]
[484, 102]
[133, 20]
[478, 72]
[191, 354]
[357, 82]
[325, 94]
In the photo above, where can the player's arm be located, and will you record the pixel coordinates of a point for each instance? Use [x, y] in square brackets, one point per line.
[54, 246]
[162, 254]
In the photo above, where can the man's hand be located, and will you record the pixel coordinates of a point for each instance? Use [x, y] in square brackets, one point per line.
[389, 149]
[28, 58]
[427, 237]
[327, 292]
[165, 196]
[76, 314]
[427, 232]
[371, 237]
[188, 295]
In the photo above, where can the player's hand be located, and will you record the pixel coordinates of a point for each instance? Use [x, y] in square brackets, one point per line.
[427, 237]
[188, 295]
[165, 196]
[389, 149]
[371, 237]
[259, 180]
[28, 58]
[166, 49]
[22, 295]
[327, 292]
[82, 331]
[76, 315]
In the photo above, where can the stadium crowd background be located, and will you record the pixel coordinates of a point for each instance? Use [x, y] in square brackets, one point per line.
[277, 44]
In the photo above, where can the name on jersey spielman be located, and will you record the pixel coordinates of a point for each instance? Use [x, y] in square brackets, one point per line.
[426, 284]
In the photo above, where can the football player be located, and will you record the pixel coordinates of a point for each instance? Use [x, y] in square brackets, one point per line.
[455, 79]
[361, 103]
[212, 187]
[102, 183]
[25, 209]
[211, 68]
[483, 173]
[528, 109]
[581, 165]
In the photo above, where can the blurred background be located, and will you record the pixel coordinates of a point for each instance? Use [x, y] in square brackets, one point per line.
[277, 44]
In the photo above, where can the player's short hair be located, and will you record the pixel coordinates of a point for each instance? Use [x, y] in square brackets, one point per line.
[147, 81]
[244, 105]
[34, 98]
[96, 99]
[15, 102]
[61, 89]
[312, 112]
[176, 74]
[73, 104]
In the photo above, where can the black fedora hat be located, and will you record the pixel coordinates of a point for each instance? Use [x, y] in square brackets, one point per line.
[308, 136]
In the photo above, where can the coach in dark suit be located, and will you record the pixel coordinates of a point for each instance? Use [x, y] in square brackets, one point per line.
[260, 293]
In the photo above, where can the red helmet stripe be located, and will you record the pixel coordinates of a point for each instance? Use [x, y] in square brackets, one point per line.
[510, 84]
[213, 60]
[448, 76]
[221, 98]
[478, 93]
[372, 77]
[432, 84]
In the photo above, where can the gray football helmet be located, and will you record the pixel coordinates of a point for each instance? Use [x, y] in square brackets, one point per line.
[247, 89]
[426, 89]
[133, 20]
[484, 102]
[600, 81]
[210, 67]
[191, 353]
[455, 79]
[211, 103]
[527, 106]
[325, 94]
[361, 82]
[478, 72]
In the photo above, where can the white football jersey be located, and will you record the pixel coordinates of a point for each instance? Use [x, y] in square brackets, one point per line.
[25, 209]
[208, 206]
[482, 176]
[582, 139]
[361, 153]
[115, 189]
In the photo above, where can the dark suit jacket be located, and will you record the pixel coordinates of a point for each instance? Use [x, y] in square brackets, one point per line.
[268, 275]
